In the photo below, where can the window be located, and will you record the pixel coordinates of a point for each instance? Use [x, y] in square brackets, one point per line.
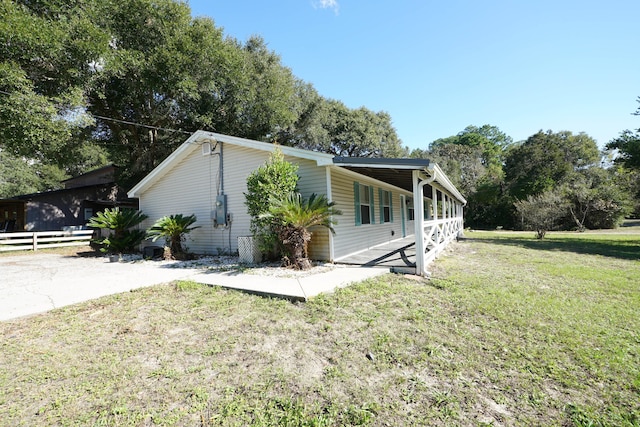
[386, 213]
[365, 204]
[410, 210]
[427, 209]
[363, 196]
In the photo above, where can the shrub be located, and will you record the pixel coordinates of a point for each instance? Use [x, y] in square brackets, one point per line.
[274, 180]
[174, 229]
[120, 221]
[292, 217]
[542, 212]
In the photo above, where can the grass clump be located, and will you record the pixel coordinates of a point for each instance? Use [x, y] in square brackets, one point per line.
[508, 331]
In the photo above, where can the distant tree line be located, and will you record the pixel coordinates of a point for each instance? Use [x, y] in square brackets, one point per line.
[551, 181]
[77, 77]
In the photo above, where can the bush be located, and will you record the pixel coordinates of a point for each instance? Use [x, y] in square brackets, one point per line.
[121, 238]
[542, 212]
[293, 216]
[174, 229]
[276, 179]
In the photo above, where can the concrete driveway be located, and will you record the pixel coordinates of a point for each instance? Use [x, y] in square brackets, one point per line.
[36, 283]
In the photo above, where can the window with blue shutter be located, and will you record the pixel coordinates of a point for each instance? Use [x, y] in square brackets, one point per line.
[363, 201]
[386, 206]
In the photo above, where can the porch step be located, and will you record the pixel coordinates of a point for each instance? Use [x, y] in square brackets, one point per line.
[403, 270]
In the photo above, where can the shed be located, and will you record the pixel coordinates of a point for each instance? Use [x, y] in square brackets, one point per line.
[72, 206]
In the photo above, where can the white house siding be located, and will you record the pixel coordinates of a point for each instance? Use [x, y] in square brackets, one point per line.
[351, 238]
[313, 179]
[192, 185]
[189, 188]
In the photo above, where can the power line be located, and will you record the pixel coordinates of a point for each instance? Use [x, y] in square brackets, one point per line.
[140, 124]
[124, 121]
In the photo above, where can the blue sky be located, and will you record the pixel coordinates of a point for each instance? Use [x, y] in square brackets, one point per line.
[439, 66]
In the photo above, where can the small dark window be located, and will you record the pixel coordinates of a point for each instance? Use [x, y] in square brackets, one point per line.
[385, 202]
[365, 204]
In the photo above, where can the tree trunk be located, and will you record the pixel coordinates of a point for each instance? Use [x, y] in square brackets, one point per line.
[295, 241]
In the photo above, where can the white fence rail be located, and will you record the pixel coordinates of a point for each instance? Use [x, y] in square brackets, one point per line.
[438, 234]
[43, 239]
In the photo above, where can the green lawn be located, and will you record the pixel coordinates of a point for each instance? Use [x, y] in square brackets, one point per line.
[508, 331]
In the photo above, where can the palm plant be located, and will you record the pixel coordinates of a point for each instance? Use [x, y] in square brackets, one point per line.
[120, 221]
[294, 215]
[174, 229]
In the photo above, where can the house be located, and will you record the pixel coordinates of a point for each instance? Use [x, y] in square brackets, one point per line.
[72, 206]
[381, 200]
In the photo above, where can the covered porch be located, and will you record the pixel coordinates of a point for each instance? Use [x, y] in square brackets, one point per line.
[438, 212]
[398, 255]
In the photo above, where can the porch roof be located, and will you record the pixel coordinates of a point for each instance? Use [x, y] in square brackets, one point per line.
[397, 172]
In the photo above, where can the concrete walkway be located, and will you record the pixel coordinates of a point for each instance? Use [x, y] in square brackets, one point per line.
[296, 288]
[37, 283]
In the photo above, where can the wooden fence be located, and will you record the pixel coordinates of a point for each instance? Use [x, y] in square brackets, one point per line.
[43, 239]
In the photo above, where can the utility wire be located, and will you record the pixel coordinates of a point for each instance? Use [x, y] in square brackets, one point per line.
[124, 121]
[139, 124]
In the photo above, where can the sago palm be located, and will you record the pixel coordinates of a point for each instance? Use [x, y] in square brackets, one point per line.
[294, 216]
[120, 221]
[174, 229]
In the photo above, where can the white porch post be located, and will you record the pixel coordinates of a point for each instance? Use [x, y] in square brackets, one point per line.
[418, 206]
[434, 197]
[444, 205]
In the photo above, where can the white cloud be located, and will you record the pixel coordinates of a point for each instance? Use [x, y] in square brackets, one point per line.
[327, 4]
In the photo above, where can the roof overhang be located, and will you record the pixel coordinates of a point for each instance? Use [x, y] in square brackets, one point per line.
[398, 172]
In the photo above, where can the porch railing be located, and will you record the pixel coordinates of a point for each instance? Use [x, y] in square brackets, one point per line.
[438, 234]
[43, 239]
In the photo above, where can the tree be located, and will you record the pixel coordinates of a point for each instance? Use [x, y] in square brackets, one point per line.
[473, 160]
[148, 69]
[85, 82]
[339, 130]
[597, 198]
[174, 229]
[22, 176]
[307, 131]
[546, 159]
[293, 216]
[628, 146]
[541, 212]
[489, 142]
[276, 179]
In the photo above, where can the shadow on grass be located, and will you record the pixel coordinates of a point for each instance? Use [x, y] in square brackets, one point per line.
[614, 248]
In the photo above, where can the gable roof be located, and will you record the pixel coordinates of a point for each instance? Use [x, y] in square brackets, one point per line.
[105, 174]
[201, 137]
[397, 172]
